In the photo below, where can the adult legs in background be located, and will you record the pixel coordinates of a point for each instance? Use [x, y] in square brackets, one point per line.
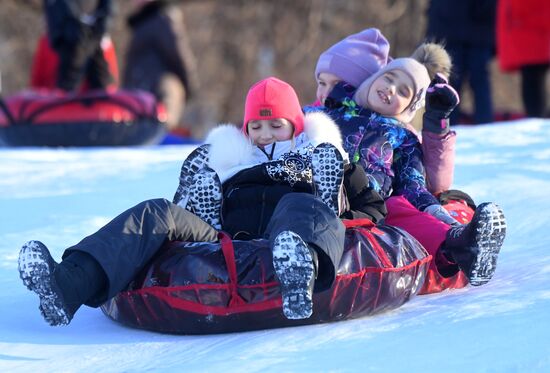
[171, 93]
[471, 63]
[479, 77]
[97, 69]
[458, 55]
[82, 58]
[533, 89]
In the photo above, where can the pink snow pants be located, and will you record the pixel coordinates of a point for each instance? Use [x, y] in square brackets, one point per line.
[431, 233]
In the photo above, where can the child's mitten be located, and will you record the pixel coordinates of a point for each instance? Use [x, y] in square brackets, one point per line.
[441, 100]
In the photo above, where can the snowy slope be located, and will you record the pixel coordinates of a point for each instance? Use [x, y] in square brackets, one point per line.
[59, 196]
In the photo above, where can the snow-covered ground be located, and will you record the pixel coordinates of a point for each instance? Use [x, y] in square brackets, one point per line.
[59, 196]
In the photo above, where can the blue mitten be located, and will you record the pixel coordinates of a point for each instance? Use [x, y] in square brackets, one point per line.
[441, 100]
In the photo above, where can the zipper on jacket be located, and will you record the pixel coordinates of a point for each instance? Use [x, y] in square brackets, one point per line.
[269, 156]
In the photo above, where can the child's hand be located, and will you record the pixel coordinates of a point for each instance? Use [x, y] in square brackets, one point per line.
[441, 100]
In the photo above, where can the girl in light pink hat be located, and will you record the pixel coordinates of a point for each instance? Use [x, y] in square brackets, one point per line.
[357, 57]
[354, 60]
[372, 119]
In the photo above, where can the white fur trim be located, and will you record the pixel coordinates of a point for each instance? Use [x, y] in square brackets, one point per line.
[229, 148]
[320, 128]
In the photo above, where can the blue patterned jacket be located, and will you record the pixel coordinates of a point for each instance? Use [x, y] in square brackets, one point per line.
[389, 153]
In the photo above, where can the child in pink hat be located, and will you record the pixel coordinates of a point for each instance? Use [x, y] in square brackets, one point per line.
[281, 177]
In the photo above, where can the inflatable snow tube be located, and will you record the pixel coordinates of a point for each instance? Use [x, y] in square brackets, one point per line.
[93, 118]
[230, 286]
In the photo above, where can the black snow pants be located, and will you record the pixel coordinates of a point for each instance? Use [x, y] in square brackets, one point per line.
[317, 225]
[128, 242]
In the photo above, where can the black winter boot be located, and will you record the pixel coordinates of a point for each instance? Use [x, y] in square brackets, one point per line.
[294, 264]
[36, 269]
[62, 288]
[474, 247]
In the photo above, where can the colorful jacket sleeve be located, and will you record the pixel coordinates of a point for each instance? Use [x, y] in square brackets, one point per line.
[409, 178]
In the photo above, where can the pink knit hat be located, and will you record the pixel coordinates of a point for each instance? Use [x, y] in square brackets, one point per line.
[419, 75]
[272, 98]
[356, 57]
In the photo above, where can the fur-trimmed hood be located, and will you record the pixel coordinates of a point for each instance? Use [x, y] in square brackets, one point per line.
[231, 150]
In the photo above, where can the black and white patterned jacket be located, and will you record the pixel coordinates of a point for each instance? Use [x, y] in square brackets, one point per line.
[255, 179]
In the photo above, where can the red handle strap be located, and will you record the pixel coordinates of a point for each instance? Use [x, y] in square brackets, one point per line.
[366, 223]
[229, 255]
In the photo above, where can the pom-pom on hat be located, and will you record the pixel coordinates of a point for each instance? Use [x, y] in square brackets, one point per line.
[356, 57]
[271, 98]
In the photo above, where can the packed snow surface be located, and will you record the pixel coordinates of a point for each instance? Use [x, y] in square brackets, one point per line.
[59, 196]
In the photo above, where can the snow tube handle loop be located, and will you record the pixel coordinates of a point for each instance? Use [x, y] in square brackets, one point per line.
[87, 99]
[355, 223]
[229, 255]
[6, 111]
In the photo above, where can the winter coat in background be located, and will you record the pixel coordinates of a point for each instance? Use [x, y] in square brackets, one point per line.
[254, 180]
[469, 22]
[390, 154]
[159, 46]
[523, 33]
[67, 20]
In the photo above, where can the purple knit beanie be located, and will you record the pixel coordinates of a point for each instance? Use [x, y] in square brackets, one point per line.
[356, 57]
